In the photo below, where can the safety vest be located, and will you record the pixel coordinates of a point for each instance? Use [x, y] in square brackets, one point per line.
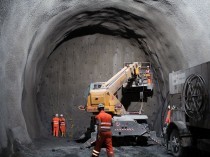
[104, 121]
[62, 121]
[55, 121]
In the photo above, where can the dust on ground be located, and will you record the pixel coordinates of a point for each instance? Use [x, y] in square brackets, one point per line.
[63, 147]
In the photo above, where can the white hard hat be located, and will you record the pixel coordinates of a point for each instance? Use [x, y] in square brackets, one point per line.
[56, 114]
[100, 105]
[61, 115]
[169, 107]
[148, 66]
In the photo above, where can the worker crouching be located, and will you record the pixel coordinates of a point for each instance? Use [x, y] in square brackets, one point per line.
[62, 126]
[104, 134]
[55, 123]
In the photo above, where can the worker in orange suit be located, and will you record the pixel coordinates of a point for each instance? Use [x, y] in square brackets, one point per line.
[168, 116]
[62, 125]
[147, 70]
[55, 123]
[104, 134]
[148, 75]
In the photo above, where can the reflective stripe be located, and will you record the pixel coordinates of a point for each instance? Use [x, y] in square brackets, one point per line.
[96, 151]
[105, 123]
[95, 154]
[105, 127]
[55, 122]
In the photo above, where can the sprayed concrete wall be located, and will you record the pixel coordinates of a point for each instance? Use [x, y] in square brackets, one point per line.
[171, 35]
[72, 67]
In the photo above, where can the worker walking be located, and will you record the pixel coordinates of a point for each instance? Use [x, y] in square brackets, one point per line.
[104, 134]
[55, 123]
[62, 125]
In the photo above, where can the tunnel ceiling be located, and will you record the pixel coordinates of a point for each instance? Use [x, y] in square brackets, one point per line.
[167, 32]
[116, 22]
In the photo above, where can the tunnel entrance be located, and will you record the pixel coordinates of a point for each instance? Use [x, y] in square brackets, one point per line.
[87, 47]
[72, 67]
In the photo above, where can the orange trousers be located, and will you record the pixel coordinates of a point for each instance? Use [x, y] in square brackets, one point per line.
[55, 130]
[104, 139]
[63, 130]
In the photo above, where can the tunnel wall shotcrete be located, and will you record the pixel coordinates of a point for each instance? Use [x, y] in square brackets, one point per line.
[72, 67]
[172, 34]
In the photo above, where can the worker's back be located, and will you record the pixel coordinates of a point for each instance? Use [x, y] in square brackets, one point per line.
[62, 121]
[105, 121]
[104, 136]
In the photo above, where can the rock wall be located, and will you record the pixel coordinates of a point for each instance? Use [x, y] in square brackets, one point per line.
[171, 34]
[72, 67]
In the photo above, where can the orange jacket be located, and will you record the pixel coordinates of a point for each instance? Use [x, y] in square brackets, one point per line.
[168, 117]
[104, 121]
[55, 121]
[62, 121]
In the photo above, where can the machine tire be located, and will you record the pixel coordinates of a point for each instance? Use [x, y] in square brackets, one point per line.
[175, 144]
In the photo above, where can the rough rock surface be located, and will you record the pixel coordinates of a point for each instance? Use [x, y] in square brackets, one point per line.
[171, 34]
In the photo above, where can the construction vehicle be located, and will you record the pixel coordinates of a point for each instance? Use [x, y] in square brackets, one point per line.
[190, 118]
[135, 80]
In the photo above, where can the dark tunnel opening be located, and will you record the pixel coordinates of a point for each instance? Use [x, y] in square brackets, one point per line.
[125, 33]
[141, 36]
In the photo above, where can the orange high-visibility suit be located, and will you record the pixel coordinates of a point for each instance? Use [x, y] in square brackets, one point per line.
[55, 123]
[104, 122]
[63, 126]
[148, 75]
[168, 117]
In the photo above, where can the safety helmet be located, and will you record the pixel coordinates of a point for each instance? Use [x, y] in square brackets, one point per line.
[56, 114]
[100, 105]
[147, 66]
[169, 107]
[61, 115]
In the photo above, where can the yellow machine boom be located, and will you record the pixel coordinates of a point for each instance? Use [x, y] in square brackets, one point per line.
[105, 92]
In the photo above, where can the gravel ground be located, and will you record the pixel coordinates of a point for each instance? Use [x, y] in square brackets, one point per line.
[58, 147]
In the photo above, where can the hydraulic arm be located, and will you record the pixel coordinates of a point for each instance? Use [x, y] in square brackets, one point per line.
[106, 92]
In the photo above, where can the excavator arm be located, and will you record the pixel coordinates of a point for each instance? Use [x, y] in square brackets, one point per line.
[105, 92]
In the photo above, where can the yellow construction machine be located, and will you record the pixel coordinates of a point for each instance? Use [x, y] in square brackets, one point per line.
[134, 80]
